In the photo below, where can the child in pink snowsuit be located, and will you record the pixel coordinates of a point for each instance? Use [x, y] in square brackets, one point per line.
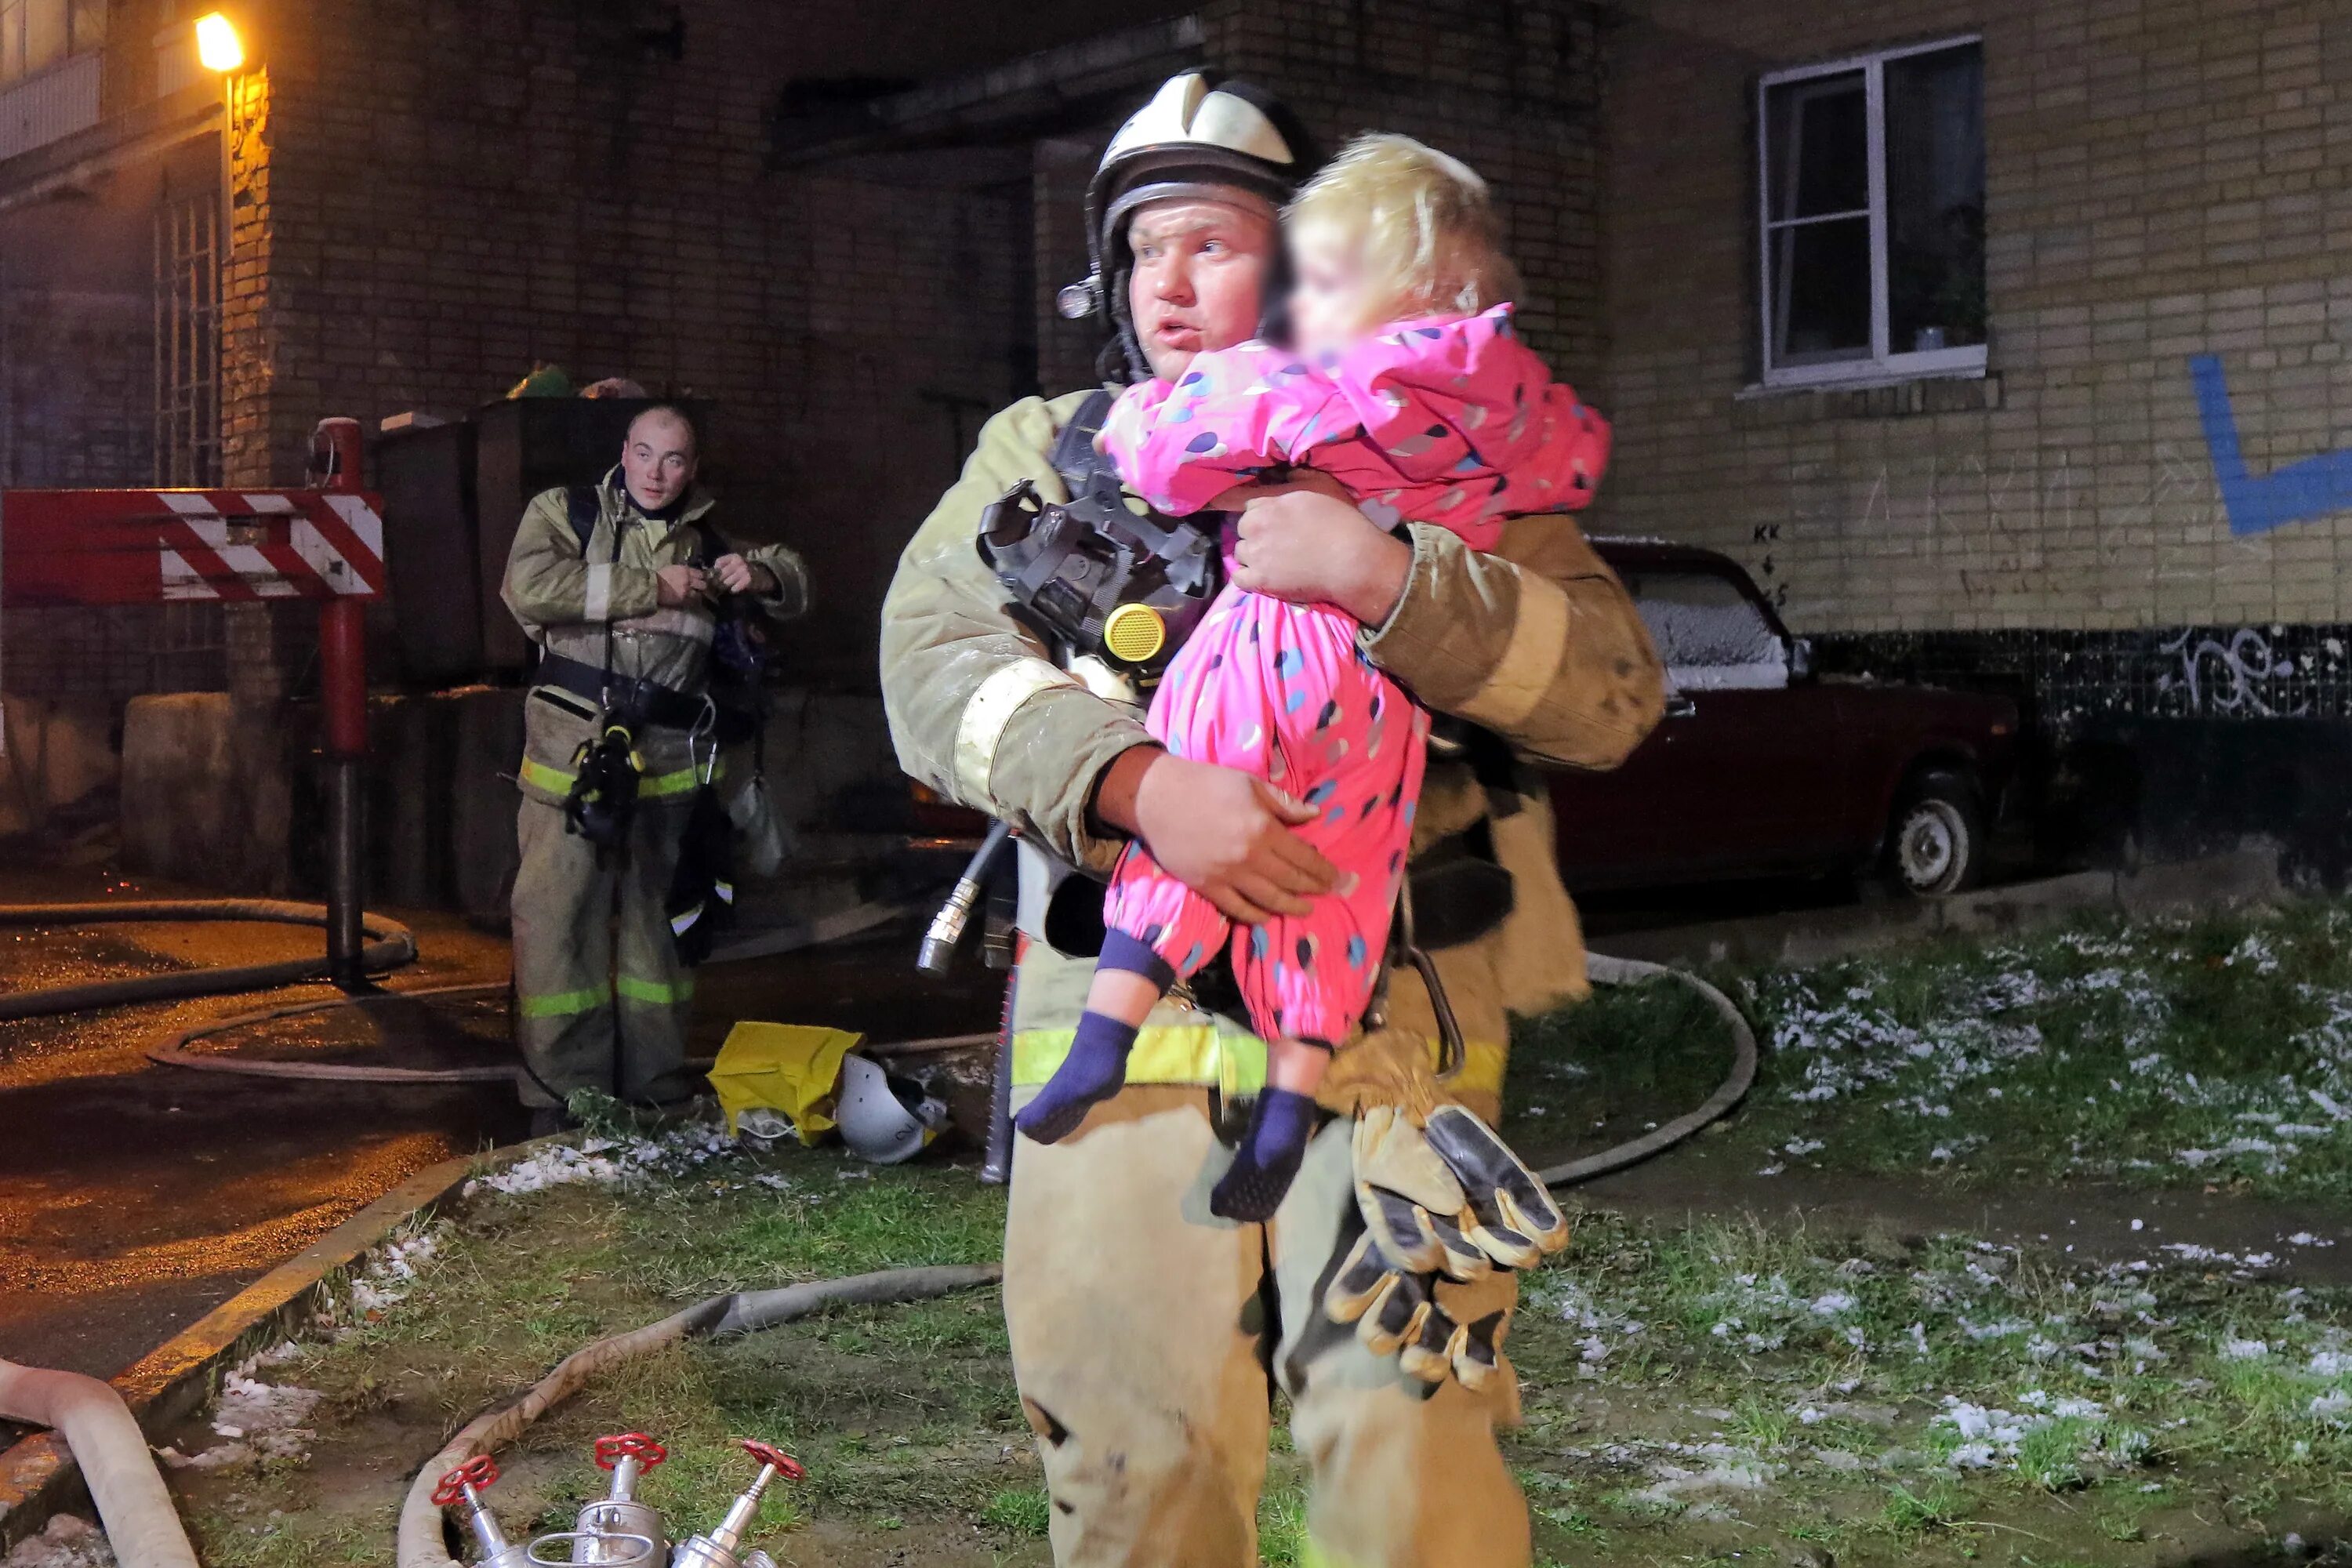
[1411, 387]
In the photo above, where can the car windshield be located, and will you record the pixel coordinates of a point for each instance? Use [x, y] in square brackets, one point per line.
[1709, 634]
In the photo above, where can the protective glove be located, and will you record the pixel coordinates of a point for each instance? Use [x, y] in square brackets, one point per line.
[1444, 1194]
[1396, 1313]
[1441, 1196]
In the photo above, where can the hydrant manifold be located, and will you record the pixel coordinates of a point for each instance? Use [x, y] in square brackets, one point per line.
[723, 1546]
[617, 1529]
[465, 1485]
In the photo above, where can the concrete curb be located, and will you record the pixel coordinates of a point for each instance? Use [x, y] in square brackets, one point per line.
[1813, 936]
[38, 1477]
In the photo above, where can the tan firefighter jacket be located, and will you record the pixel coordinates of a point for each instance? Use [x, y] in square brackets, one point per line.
[567, 598]
[1537, 642]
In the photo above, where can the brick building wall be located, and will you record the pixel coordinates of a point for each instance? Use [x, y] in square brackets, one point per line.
[1511, 89]
[2164, 181]
[431, 198]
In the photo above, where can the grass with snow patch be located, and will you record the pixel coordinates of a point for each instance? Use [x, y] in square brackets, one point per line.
[1689, 1389]
[2166, 1052]
[1853, 1388]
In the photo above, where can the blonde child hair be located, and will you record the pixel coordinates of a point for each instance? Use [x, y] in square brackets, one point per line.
[1425, 220]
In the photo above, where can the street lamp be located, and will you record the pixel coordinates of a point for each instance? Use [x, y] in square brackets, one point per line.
[217, 44]
[219, 48]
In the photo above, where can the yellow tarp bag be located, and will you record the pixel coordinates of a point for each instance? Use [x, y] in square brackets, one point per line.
[791, 1068]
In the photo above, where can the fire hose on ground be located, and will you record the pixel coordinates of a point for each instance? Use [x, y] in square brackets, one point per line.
[111, 1453]
[421, 1544]
[108, 1446]
[1607, 971]
[390, 945]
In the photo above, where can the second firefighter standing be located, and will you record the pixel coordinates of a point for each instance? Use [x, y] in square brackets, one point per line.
[620, 583]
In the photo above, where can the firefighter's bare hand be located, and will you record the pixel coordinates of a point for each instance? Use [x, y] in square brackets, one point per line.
[1227, 836]
[734, 573]
[1304, 544]
[675, 587]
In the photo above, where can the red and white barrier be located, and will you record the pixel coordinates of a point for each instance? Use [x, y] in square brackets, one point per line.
[150, 546]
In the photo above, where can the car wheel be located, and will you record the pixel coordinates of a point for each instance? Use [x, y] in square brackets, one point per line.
[1936, 843]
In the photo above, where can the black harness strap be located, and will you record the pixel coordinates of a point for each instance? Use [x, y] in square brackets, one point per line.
[1073, 456]
[581, 505]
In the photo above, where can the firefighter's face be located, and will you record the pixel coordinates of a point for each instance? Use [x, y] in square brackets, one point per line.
[658, 458]
[1200, 277]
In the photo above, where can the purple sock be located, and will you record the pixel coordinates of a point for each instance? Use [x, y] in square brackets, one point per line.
[1268, 1157]
[1097, 1066]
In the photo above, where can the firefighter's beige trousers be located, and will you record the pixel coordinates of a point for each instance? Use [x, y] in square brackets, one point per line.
[582, 1020]
[1144, 1333]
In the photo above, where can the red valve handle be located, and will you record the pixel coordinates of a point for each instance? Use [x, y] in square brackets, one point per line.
[769, 1453]
[478, 1472]
[611, 1450]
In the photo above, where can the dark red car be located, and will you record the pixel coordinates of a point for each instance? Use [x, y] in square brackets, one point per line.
[1760, 768]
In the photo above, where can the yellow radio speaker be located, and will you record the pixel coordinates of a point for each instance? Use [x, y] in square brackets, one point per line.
[1134, 634]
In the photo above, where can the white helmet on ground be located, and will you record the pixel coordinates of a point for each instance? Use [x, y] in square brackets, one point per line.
[883, 1118]
[1197, 137]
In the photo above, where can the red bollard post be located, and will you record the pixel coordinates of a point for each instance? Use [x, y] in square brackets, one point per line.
[342, 693]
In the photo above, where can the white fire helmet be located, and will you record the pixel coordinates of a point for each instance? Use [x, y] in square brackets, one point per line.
[882, 1119]
[1197, 136]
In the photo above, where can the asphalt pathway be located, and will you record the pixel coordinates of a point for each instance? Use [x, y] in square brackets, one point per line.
[134, 1198]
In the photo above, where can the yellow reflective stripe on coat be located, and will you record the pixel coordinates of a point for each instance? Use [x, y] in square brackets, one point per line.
[1163, 1053]
[1234, 1061]
[684, 781]
[988, 710]
[654, 992]
[1530, 659]
[538, 775]
[657, 786]
[561, 1003]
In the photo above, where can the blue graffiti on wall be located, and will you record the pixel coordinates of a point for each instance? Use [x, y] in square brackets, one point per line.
[2296, 493]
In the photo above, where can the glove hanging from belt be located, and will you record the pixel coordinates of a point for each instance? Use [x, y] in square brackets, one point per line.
[1441, 1196]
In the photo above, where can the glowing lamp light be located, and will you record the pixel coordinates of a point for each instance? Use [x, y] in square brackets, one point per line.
[217, 44]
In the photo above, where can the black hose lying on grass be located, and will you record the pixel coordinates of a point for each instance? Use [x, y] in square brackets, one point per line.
[392, 946]
[421, 1544]
[1607, 971]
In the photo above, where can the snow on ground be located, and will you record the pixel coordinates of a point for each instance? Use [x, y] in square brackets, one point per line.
[1858, 1030]
[258, 1420]
[67, 1543]
[676, 1150]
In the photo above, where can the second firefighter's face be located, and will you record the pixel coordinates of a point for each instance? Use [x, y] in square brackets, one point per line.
[658, 458]
[1200, 274]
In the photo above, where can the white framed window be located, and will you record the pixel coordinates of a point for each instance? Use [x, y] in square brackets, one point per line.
[1870, 194]
[38, 33]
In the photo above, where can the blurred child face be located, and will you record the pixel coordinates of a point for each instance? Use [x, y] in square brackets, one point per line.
[1332, 301]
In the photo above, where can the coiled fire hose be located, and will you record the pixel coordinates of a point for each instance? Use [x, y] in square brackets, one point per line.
[421, 1543]
[391, 944]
